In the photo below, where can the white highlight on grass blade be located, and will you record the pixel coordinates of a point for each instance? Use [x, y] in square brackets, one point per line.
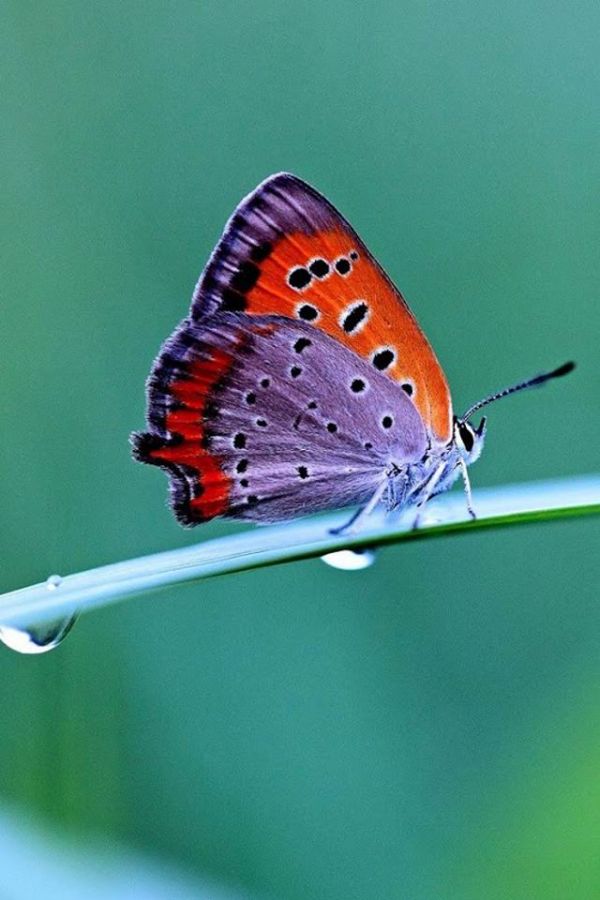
[29, 607]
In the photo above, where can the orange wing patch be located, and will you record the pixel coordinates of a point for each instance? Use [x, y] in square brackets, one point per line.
[287, 251]
[352, 300]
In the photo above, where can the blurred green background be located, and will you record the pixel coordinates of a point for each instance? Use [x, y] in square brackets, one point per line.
[428, 728]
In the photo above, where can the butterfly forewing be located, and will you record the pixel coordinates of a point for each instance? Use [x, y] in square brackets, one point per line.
[288, 251]
[268, 418]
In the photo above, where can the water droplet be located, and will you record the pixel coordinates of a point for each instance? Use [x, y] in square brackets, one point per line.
[350, 560]
[37, 638]
[53, 582]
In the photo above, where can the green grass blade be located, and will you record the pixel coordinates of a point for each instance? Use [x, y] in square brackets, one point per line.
[496, 507]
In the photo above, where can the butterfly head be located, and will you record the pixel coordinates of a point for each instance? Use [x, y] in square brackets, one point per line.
[468, 440]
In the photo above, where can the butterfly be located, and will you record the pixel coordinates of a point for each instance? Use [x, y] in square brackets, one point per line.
[300, 380]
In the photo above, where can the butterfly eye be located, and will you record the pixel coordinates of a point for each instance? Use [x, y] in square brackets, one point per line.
[466, 436]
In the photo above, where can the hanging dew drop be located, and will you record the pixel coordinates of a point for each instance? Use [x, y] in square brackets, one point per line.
[53, 582]
[350, 560]
[39, 638]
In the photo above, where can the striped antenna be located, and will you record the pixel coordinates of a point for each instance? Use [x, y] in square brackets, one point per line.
[536, 381]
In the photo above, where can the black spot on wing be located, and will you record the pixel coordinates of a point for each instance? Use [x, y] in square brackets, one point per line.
[301, 344]
[354, 317]
[299, 278]
[308, 313]
[342, 265]
[211, 410]
[383, 359]
[319, 268]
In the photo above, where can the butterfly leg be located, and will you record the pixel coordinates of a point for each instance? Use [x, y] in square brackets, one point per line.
[353, 524]
[467, 487]
[397, 495]
[428, 488]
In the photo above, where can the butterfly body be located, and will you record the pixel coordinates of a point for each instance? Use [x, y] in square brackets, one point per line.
[300, 380]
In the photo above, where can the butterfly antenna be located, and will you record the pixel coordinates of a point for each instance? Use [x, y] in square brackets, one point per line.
[536, 381]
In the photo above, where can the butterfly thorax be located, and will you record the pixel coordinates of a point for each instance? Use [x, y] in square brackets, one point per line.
[437, 470]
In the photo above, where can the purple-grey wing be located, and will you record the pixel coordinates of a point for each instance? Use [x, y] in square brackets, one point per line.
[277, 416]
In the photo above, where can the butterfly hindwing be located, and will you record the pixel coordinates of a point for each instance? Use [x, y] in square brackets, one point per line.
[268, 418]
[287, 251]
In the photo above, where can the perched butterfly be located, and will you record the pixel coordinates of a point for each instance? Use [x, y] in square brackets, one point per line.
[300, 380]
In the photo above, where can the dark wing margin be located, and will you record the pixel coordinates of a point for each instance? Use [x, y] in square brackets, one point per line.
[182, 379]
[280, 205]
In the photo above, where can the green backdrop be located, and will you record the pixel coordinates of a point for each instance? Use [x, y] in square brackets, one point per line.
[428, 728]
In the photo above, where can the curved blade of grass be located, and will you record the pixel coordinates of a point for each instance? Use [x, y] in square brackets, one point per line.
[496, 507]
